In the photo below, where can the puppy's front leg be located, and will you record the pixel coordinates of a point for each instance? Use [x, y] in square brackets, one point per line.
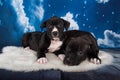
[93, 57]
[60, 54]
[41, 56]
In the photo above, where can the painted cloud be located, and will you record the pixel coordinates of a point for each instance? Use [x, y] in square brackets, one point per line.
[111, 39]
[102, 1]
[22, 18]
[73, 23]
[39, 10]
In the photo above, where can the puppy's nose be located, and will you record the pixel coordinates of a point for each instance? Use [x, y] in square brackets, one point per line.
[67, 61]
[55, 33]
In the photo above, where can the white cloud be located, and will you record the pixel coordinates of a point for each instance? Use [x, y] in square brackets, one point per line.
[73, 23]
[111, 39]
[22, 18]
[102, 1]
[39, 11]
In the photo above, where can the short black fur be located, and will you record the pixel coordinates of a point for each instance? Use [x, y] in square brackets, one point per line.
[76, 42]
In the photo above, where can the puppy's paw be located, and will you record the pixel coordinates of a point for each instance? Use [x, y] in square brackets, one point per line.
[95, 60]
[27, 48]
[42, 60]
[61, 56]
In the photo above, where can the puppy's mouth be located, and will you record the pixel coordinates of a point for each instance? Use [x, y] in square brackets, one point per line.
[70, 62]
[56, 39]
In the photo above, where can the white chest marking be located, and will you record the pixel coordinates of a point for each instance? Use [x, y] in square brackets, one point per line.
[55, 45]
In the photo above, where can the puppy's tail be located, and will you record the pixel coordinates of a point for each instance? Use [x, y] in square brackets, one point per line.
[25, 39]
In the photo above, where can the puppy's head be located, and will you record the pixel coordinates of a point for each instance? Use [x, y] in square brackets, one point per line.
[76, 51]
[55, 27]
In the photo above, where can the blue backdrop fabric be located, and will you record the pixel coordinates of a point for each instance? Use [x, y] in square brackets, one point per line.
[100, 17]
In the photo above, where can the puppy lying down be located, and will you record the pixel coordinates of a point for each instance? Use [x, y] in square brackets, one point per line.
[77, 50]
[78, 46]
[47, 41]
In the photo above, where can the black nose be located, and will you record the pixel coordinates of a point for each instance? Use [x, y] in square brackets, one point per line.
[71, 62]
[67, 61]
[55, 33]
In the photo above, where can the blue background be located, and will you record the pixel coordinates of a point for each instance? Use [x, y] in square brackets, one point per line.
[100, 17]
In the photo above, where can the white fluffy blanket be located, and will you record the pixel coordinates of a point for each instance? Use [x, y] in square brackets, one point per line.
[20, 59]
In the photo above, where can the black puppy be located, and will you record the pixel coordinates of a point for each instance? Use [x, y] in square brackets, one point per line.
[49, 41]
[79, 45]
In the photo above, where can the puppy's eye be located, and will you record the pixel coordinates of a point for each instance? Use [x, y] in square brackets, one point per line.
[58, 26]
[50, 27]
[79, 53]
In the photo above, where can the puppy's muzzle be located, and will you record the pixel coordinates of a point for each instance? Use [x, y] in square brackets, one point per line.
[55, 34]
[67, 61]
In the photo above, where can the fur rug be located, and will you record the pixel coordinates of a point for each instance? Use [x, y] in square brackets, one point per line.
[20, 59]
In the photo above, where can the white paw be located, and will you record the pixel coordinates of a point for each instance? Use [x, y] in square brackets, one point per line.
[42, 60]
[95, 61]
[61, 56]
[27, 48]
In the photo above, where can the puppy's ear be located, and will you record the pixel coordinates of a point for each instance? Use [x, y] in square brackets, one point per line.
[43, 25]
[66, 24]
